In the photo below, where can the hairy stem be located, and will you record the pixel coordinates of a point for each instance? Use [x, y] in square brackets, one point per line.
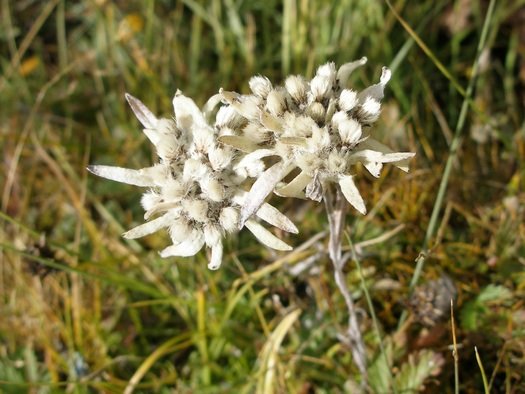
[336, 207]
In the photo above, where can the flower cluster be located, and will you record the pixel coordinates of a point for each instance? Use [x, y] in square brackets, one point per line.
[196, 189]
[319, 127]
[317, 130]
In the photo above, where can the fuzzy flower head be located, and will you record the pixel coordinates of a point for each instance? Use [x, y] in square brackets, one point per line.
[195, 191]
[318, 128]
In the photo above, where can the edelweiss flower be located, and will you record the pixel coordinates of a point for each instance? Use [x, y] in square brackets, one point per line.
[195, 191]
[318, 127]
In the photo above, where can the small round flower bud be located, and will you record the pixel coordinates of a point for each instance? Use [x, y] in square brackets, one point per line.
[193, 170]
[369, 111]
[298, 126]
[297, 87]
[254, 168]
[150, 199]
[229, 219]
[349, 129]
[213, 189]
[317, 112]
[227, 116]
[320, 87]
[196, 210]
[276, 103]
[179, 230]
[220, 158]
[256, 133]
[327, 70]
[336, 163]
[371, 106]
[168, 147]
[309, 162]
[173, 190]
[347, 99]
[260, 86]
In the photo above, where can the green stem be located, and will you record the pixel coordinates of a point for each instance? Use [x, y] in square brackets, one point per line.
[483, 375]
[431, 229]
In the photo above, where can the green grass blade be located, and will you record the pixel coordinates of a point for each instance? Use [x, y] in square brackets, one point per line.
[483, 376]
[432, 226]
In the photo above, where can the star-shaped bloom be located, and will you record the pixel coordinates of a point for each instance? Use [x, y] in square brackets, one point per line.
[196, 190]
[317, 128]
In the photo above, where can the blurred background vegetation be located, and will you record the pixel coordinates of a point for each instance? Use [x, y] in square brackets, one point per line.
[82, 310]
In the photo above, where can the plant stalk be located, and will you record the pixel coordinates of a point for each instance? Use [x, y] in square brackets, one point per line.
[336, 207]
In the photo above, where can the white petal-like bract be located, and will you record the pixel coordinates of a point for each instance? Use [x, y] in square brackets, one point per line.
[346, 69]
[261, 188]
[241, 143]
[351, 193]
[150, 227]
[186, 248]
[296, 186]
[142, 177]
[143, 114]
[187, 112]
[266, 237]
[376, 91]
[216, 256]
[373, 144]
[273, 216]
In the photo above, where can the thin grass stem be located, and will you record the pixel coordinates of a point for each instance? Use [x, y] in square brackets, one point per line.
[454, 349]
[453, 150]
[483, 375]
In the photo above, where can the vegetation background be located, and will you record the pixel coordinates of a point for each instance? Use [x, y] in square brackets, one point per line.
[86, 311]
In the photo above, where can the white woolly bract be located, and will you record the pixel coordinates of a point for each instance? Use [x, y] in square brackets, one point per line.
[143, 114]
[242, 143]
[151, 227]
[261, 188]
[212, 234]
[179, 230]
[189, 247]
[187, 114]
[373, 144]
[376, 91]
[145, 177]
[227, 116]
[346, 69]
[266, 237]
[173, 190]
[351, 193]
[296, 186]
[216, 256]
